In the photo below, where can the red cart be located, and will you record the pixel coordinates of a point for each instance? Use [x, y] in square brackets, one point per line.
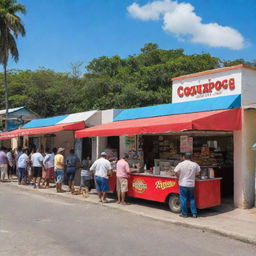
[166, 189]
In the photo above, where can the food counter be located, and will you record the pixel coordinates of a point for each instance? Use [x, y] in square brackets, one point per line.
[166, 189]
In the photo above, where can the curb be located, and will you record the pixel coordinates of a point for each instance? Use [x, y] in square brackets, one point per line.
[202, 227]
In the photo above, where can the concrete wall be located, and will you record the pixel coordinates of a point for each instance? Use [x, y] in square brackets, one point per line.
[244, 161]
[100, 143]
[248, 87]
[94, 120]
[122, 147]
[107, 116]
[64, 139]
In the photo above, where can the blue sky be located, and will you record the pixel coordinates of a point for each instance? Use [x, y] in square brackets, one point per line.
[63, 31]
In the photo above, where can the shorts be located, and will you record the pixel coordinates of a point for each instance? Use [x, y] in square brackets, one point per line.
[101, 184]
[49, 173]
[121, 184]
[59, 176]
[3, 170]
[71, 172]
[37, 172]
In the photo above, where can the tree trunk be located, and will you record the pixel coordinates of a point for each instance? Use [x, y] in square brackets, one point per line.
[6, 97]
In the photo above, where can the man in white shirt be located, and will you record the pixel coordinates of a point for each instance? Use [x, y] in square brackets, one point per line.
[101, 168]
[187, 171]
[22, 164]
[37, 164]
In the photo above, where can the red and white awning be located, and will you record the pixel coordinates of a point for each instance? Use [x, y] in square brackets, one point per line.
[224, 120]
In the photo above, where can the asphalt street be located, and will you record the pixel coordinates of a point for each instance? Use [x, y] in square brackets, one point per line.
[37, 224]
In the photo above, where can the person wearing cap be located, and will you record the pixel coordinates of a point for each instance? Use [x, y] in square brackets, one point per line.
[101, 168]
[186, 171]
[122, 173]
[59, 169]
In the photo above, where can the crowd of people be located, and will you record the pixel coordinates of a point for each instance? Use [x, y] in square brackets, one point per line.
[33, 167]
[39, 169]
[42, 168]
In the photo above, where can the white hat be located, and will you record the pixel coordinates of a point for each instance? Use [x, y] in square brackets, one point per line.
[60, 150]
[103, 154]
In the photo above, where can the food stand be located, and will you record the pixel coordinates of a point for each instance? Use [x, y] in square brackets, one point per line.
[166, 190]
[215, 110]
[159, 183]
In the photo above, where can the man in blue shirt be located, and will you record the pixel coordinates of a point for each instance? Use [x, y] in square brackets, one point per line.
[71, 162]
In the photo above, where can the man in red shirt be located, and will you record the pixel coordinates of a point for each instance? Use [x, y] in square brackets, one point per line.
[122, 174]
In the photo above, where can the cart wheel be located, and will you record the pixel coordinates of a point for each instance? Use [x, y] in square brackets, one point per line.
[174, 203]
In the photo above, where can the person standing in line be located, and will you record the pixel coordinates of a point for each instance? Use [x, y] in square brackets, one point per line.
[72, 162]
[101, 168]
[19, 153]
[59, 169]
[30, 169]
[86, 175]
[37, 164]
[122, 173]
[54, 153]
[186, 171]
[49, 166]
[10, 163]
[3, 164]
[22, 165]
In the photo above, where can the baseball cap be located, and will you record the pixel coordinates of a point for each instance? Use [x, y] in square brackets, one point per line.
[187, 154]
[103, 154]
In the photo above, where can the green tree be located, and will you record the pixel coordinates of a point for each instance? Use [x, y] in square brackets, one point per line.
[109, 82]
[11, 27]
[229, 63]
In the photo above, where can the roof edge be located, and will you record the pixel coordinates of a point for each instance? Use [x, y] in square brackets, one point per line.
[213, 71]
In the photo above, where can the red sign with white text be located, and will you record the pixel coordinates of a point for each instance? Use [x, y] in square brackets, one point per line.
[226, 84]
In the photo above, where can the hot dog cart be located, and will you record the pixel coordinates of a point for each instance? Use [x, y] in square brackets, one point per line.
[166, 190]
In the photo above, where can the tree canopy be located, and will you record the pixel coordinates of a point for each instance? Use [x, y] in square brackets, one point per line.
[11, 26]
[108, 82]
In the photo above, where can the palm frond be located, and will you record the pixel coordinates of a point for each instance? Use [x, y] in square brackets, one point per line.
[11, 26]
[13, 47]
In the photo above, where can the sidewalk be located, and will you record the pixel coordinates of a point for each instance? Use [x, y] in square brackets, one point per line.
[225, 220]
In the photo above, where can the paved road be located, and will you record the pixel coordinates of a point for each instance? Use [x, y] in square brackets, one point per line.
[36, 224]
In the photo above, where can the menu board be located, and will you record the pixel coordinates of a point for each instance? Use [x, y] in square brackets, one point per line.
[130, 142]
[186, 144]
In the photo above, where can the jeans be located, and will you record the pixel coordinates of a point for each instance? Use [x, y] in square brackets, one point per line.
[59, 176]
[187, 194]
[22, 174]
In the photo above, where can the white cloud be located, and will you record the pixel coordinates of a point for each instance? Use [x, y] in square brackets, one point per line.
[151, 11]
[181, 20]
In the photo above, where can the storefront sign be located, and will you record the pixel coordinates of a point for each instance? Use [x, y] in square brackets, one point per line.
[206, 88]
[164, 184]
[200, 88]
[139, 185]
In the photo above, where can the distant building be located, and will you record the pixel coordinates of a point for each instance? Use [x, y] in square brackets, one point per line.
[16, 117]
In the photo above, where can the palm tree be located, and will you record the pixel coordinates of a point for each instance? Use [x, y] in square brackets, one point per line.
[11, 26]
